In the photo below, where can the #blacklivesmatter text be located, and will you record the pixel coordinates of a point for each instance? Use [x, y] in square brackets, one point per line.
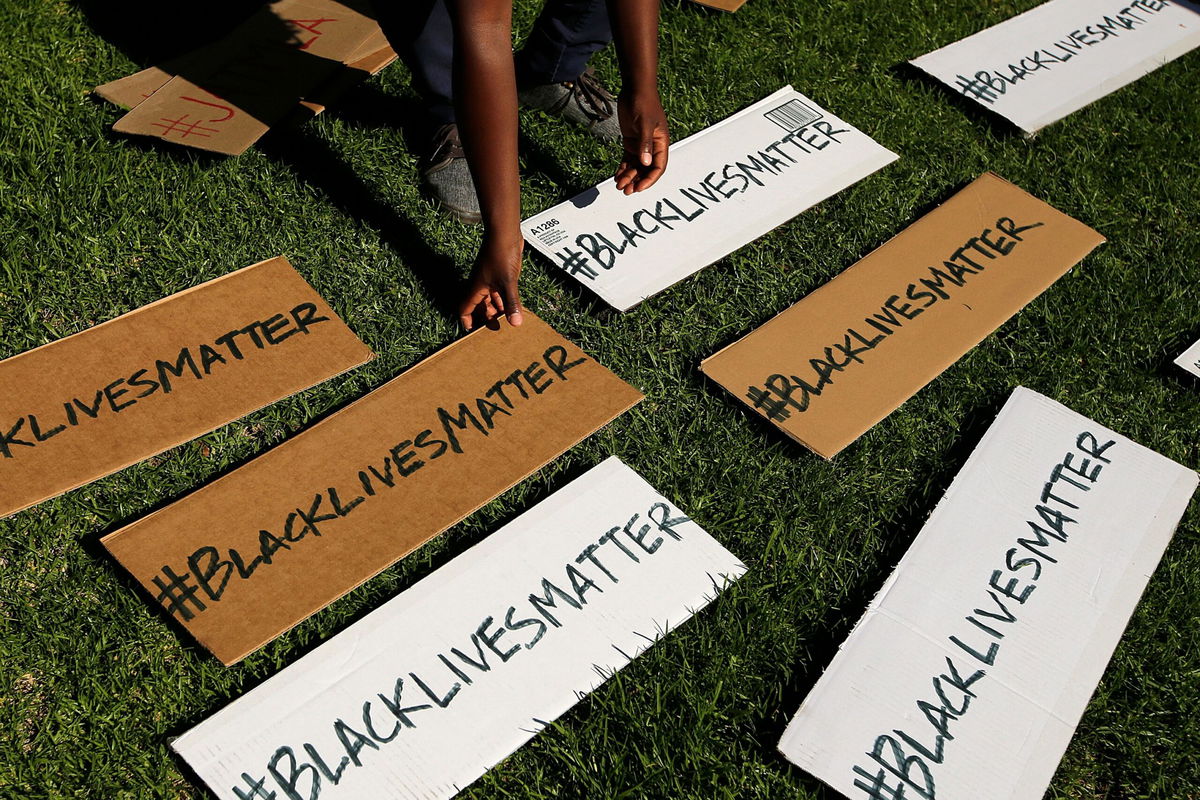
[600, 250]
[902, 763]
[781, 394]
[988, 85]
[557, 601]
[163, 377]
[188, 589]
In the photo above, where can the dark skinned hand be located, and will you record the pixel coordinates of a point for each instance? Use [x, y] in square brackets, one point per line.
[492, 291]
[645, 139]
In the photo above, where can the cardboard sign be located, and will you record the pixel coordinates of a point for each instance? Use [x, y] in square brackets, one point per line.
[88, 405]
[970, 670]
[722, 5]
[725, 186]
[1190, 360]
[1040, 66]
[226, 97]
[430, 691]
[247, 557]
[836, 363]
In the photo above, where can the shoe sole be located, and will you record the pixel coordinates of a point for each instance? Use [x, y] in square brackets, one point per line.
[461, 214]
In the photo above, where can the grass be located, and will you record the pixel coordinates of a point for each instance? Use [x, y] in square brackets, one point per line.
[93, 683]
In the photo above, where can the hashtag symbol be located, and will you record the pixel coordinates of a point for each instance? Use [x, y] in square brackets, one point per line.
[184, 128]
[979, 89]
[878, 788]
[775, 409]
[575, 262]
[176, 593]
[257, 789]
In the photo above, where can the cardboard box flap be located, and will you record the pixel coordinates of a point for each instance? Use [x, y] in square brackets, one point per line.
[318, 515]
[923, 299]
[105, 398]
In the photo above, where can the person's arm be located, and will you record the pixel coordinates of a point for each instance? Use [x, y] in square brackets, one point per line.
[485, 99]
[643, 124]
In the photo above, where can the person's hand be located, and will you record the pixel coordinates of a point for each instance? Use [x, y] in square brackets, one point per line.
[492, 290]
[645, 139]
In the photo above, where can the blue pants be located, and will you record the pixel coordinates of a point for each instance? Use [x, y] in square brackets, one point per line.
[565, 36]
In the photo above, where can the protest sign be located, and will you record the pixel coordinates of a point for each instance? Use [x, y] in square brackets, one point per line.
[1040, 66]
[922, 300]
[726, 186]
[722, 5]
[88, 405]
[971, 668]
[225, 97]
[245, 558]
[368, 59]
[430, 691]
[1190, 360]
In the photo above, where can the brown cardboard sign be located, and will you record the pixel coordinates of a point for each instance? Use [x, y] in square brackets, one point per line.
[722, 5]
[227, 96]
[830, 367]
[245, 558]
[88, 405]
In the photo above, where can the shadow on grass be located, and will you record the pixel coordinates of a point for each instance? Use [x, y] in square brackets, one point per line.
[994, 123]
[152, 33]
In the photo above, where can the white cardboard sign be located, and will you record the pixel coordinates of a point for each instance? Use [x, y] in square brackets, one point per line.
[427, 693]
[1190, 360]
[724, 187]
[1040, 66]
[971, 668]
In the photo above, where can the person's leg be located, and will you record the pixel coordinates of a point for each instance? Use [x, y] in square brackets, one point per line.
[421, 34]
[567, 33]
[552, 68]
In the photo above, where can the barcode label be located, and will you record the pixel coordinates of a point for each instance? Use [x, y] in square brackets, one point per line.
[792, 115]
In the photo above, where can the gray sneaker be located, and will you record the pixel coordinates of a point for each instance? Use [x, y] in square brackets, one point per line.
[583, 101]
[447, 177]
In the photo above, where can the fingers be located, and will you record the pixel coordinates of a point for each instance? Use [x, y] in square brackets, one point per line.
[647, 151]
[512, 304]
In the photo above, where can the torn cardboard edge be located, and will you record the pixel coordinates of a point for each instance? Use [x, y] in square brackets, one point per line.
[405, 497]
[116, 428]
[647, 569]
[218, 98]
[1050, 532]
[1002, 69]
[809, 370]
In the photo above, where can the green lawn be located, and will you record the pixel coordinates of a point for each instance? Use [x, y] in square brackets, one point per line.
[93, 683]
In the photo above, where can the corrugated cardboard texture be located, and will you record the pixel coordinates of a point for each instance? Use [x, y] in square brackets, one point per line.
[971, 668]
[517, 671]
[830, 367]
[226, 96]
[327, 510]
[88, 405]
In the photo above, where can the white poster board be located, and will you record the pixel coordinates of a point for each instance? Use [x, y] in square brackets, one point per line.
[1190, 360]
[724, 187]
[971, 668]
[427, 693]
[1040, 66]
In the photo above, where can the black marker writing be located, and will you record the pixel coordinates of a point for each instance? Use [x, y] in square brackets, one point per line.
[903, 762]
